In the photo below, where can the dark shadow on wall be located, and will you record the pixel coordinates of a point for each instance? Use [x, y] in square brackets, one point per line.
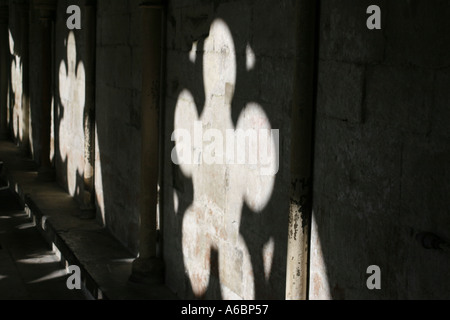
[256, 228]
[381, 178]
[118, 123]
[69, 69]
[35, 56]
[73, 89]
[70, 62]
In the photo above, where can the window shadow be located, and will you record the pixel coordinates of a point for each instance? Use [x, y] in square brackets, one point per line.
[211, 261]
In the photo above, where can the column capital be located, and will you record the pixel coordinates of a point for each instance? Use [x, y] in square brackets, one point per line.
[152, 4]
[45, 8]
[22, 4]
[23, 7]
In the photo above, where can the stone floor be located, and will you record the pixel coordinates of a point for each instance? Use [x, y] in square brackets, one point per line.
[29, 269]
[104, 262]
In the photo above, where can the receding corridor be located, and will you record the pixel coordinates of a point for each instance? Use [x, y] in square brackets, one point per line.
[225, 149]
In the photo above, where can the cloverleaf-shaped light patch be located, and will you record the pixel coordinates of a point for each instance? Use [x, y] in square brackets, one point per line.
[228, 165]
[71, 129]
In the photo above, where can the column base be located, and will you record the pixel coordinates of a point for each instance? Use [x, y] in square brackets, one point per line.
[46, 174]
[149, 271]
[87, 207]
[4, 135]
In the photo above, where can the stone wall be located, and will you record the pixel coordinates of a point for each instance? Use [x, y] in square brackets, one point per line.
[70, 75]
[117, 100]
[118, 103]
[382, 152]
[35, 58]
[229, 64]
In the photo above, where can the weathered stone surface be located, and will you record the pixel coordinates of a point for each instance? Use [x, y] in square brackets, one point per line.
[399, 97]
[228, 248]
[117, 110]
[344, 35]
[359, 165]
[417, 33]
[341, 91]
[441, 108]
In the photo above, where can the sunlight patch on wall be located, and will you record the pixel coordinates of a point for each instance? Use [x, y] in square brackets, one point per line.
[17, 91]
[268, 251]
[30, 135]
[100, 201]
[222, 188]
[8, 109]
[72, 90]
[11, 42]
[319, 288]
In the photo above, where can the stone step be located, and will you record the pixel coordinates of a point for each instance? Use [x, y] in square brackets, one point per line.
[105, 263]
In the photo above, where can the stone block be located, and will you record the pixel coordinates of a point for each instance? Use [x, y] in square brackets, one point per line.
[275, 82]
[341, 91]
[274, 28]
[358, 165]
[399, 97]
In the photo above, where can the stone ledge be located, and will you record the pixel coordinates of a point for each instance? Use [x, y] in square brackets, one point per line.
[104, 262]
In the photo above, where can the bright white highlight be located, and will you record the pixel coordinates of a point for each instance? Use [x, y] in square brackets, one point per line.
[230, 165]
[250, 58]
[72, 92]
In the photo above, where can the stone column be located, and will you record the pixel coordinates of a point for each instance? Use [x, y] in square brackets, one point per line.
[24, 11]
[4, 68]
[301, 154]
[46, 10]
[149, 267]
[89, 32]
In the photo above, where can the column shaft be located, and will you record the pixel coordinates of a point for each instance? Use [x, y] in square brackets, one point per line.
[45, 170]
[24, 21]
[148, 267]
[4, 67]
[301, 154]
